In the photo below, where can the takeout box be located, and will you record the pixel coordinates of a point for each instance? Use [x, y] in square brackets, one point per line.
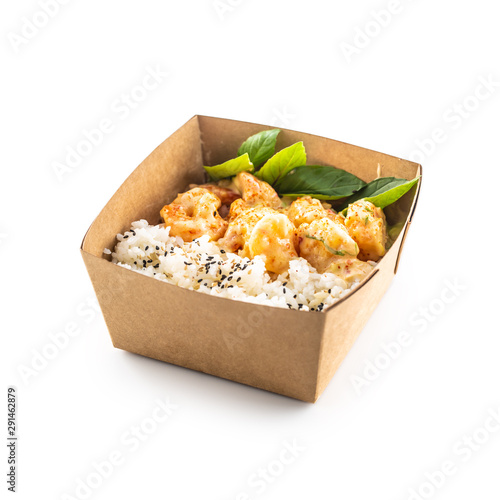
[290, 352]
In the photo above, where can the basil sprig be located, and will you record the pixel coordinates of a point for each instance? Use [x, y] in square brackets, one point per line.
[288, 173]
[260, 147]
[382, 191]
[230, 168]
[282, 162]
[325, 183]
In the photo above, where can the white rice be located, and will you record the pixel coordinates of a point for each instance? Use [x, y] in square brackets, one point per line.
[202, 266]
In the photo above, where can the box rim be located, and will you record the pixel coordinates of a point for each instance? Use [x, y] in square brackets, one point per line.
[410, 217]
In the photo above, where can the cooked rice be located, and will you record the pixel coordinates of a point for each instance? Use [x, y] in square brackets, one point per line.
[202, 266]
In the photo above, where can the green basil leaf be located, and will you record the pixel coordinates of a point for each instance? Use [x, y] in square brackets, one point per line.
[383, 191]
[230, 168]
[282, 162]
[324, 183]
[260, 147]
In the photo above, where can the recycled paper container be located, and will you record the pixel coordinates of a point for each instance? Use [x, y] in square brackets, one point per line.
[290, 352]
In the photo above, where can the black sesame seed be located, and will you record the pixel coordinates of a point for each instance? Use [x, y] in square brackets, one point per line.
[126, 236]
[222, 251]
[230, 278]
[157, 247]
[147, 246]
[295, 296]
[150, 261]
[200, 280]
[284, 290]
[156, 266]
[223, 277]
[239, 279]
[135, 262]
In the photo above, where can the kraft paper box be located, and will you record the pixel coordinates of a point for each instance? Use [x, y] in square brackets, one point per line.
[289, 352]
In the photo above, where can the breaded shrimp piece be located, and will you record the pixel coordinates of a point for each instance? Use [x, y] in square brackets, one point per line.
[322, 240]
[256, 192]
[241, 224]
[327, 246]
[227, 196]
[193, 214]
[274, 237]
[304, 210]
[367, 226]
[237, 208]
[262, 231]
[307, 209]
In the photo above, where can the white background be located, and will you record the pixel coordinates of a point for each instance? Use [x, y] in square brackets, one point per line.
[280, 63]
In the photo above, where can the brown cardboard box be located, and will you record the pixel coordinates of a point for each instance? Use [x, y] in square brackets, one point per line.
[289, 352]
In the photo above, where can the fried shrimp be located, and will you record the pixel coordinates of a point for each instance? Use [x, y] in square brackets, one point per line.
[262, 231]
[256, 192]
[327, 246]
[367, 227]
[193, 214]
[307, 209]
[322, 240]
[226, 195]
